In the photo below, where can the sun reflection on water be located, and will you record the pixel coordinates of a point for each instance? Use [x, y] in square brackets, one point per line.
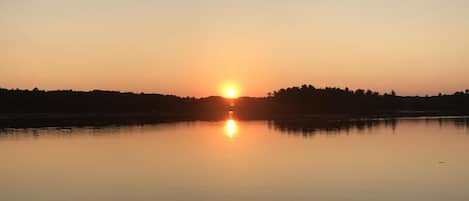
[230, 128]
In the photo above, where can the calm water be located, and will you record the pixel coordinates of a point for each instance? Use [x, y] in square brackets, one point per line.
[413, 159]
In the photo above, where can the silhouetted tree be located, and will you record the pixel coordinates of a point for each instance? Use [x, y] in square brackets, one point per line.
[360, 92]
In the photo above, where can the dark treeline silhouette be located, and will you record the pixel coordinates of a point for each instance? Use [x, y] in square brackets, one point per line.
[31, 108]
[67, 107]
[98, 101]
[310, 100]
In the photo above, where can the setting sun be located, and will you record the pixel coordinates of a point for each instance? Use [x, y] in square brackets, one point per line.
[230, 92]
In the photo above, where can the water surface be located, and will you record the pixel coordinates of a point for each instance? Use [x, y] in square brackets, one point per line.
[403, 159]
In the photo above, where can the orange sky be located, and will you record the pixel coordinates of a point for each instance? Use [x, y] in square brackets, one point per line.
[195, 47]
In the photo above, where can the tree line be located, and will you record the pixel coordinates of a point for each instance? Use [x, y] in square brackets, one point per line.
[106, 102]
[308, 99]
[299, 100]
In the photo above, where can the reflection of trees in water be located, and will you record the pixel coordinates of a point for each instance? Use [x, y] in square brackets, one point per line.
[305, 127]
[63, 132]
[458, 122]
[311, 127]
[107, 130]
[95, 131]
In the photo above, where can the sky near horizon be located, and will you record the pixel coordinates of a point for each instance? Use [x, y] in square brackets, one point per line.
[195, 47]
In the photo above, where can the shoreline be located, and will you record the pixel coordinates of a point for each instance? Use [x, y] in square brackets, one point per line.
[39, 120]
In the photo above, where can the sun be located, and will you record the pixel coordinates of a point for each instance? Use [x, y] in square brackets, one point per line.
[231, 92]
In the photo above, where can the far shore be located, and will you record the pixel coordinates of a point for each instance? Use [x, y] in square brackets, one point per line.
[35, 120]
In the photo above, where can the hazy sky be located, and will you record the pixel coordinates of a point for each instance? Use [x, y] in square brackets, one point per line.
[193, 47]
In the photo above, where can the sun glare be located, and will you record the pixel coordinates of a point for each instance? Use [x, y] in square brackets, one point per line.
[231, 92]
[230, 128]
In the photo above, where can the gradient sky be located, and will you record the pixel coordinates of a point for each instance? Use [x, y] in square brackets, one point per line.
[194, 47]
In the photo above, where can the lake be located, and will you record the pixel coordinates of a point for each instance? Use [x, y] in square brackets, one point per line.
[400, 159]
